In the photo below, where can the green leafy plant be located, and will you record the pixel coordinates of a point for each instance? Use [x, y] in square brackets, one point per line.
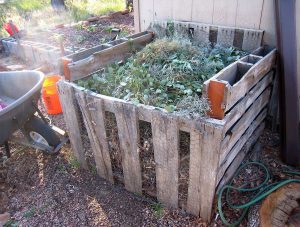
[168, 73]
[157, 209]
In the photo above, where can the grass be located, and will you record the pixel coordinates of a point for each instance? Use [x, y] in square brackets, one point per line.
[157, 208]
[40, 15]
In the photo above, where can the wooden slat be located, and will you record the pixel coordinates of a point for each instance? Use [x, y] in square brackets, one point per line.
[224, 12]
[136, 6]
[163, 10]
[231, 170]
[98, 60]
[165, 134]
[96, 147]
[249, 13]
[238, 146]
[128, 131]
[203, 11]
[235, 114]
[252, 39]
[209, 168]
[146, 13]
[182, 13]
[240, 127]
[71, 111]
[97, 112]
[195, 186]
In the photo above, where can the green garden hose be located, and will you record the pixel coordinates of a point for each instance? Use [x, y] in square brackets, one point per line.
[263, 190]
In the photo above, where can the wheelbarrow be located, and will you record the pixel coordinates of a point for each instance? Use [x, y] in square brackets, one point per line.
[19, 95]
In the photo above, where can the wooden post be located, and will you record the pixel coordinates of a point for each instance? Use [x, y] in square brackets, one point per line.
[71, 116]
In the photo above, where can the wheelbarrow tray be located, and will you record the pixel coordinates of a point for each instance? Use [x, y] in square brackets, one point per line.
[20, 91]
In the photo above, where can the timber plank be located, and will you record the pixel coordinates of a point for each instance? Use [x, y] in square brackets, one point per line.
[238, 146]
[226, 175]
[98, 60]
[128, 131]
[70, 112]
[241, 126]
[165, 132]
[194, 187]
[209, 168]
[97, 152]
[235, 114]
[97, 112]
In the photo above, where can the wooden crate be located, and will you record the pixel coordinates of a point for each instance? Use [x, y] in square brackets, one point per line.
[217, 146]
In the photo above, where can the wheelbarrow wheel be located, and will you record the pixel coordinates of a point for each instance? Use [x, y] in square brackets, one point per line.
[40, 132]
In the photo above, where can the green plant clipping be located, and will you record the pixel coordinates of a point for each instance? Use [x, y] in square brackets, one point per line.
[168, 73]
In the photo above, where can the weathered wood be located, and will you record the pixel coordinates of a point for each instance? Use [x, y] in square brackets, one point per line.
[194, 187]
[165, 133]
[235, 114]
[231, 170]
[240, 127]
[225, 12]
[97, 113]
[98, 60]
[277, 208]
[236, 88]
[225, 36]
[136, 7]
[96, 147]
[71, 116]
[128, 131]
[209, 168]
[225, 161]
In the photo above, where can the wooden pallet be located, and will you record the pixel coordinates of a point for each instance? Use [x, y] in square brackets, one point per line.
[217, 146]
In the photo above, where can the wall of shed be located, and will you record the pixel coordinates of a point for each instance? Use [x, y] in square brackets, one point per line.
[256, 14]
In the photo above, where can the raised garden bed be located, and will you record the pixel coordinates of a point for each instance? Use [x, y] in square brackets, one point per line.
[190, 156]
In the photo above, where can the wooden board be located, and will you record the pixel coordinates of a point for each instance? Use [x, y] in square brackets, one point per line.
[163, 10]
[180, 12]
[97, 112]
[71, 116]
[128, 131]
[238, 146]
[240, 127]
[249, 13]
[102, 169]
[165, 134]
[231, 170]
[235, 114]
[98, 60]
[208, 169]
[146, 13]
[225, 12]
[202, 11]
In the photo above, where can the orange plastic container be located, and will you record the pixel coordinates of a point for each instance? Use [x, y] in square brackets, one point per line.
[50, 95]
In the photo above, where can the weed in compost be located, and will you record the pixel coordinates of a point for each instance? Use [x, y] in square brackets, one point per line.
[147, 159]
[167, 73]
[114, 146]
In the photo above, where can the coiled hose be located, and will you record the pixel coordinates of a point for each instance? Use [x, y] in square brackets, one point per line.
[263, 190]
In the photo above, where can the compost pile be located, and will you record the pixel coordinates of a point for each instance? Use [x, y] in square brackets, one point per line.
[168, 73]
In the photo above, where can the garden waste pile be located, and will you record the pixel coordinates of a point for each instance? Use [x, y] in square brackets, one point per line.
[168, 73]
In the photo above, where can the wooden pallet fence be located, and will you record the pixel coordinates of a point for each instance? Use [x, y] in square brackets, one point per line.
[240, 93]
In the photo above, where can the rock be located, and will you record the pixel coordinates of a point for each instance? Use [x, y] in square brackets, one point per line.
[4, 218]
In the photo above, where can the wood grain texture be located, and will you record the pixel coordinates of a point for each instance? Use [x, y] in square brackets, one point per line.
[194, 188]
[249, 13]
[165, 134]
[95, 145]
[182, 10]
[146, 13]
[209, 168]
[203, 11]
[240, 127]
[163, 10]
[226, 175]
[71, 116]
[225, 12]
[136, 6]
[97, 112]
[238, 146]
[128, 131]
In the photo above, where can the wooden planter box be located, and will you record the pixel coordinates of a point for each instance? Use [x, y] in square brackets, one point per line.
[217, 146]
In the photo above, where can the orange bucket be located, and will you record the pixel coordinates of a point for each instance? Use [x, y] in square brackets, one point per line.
[50, 95]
